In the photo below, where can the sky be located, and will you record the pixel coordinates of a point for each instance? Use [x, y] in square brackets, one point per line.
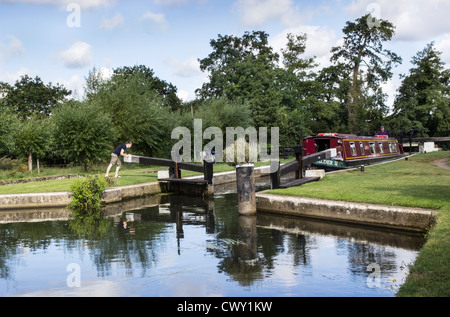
[62, 41]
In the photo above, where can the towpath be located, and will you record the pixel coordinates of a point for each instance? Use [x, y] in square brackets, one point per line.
[442, 163]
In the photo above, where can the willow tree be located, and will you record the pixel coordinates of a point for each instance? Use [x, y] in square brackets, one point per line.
[368, 65]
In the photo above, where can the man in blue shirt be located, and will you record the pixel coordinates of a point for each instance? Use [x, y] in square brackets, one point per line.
[115, 157]
[382, 131]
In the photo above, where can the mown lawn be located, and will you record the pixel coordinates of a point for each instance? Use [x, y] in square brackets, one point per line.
[130, 174]
[414, 183]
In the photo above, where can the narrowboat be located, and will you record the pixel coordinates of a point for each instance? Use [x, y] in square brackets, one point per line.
[352, 150]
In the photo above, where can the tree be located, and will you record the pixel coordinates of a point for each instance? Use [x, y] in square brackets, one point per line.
[9, 125]
[33, 137]
[423, 100]
[31, 97]
[137, 112]
[242, 68]
[246, 68]
[83, 132]
[367, 64]
[329, 113]
[167, 91]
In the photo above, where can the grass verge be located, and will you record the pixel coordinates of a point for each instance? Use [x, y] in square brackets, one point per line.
[413, 183]
[130, 174]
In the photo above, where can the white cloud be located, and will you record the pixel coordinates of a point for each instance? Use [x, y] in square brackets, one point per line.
[159, 19]
[110, 24]
[443, 46]
[185, 69]
[175, 2]
[259, 12]
[105, 73]
[11, 78]
[13, 48]
[390, 88]
[84, 4]
[74, 83]
[319, 42]
[77, 56]
[413, 19]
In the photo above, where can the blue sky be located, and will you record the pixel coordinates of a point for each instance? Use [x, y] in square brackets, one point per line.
[61, 41]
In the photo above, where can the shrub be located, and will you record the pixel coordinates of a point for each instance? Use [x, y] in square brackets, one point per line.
[86, 202]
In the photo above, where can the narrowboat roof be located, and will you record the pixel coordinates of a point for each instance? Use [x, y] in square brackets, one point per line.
[328, 135]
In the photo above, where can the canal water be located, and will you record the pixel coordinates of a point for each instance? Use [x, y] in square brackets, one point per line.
[184, 246]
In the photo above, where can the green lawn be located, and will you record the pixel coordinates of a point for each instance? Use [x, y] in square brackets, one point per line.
[415, 183]
[130, 174]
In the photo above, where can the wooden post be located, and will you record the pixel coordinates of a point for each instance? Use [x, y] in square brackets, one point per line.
[208, 175]
[275, 174]
[208, 172]
[410, 140]
[245, 182]
[300, 160]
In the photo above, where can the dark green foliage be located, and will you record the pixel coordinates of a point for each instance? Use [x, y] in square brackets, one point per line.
[86, 206]
[423, 101]
[31, 97]
[137, 111]
[367, 65]
[82, 133]
[86, 201]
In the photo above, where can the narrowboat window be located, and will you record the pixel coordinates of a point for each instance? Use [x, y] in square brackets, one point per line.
[372, 147]
[353, 148]
[380, 145]
[393, 147]
[361, 146]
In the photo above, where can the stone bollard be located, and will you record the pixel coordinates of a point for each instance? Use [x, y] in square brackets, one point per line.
[245, 182]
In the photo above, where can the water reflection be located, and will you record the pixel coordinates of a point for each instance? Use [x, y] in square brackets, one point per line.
[185, 246]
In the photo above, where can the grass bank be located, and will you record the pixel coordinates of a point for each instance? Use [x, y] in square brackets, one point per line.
[413, 183]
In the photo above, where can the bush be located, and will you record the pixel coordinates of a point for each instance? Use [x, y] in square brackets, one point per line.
[86, 201]
[82, 133]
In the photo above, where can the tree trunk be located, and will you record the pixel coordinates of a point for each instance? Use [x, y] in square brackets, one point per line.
[30, 161]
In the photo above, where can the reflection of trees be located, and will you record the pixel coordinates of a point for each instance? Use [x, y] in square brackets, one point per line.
[130, 250]
[15, 237]
[105, 246]
[248, 248]
[252, 258]
[360, 255]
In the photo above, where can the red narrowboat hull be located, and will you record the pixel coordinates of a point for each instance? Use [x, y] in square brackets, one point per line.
[355, 150]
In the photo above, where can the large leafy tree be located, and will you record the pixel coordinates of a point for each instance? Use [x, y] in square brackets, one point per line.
[368, 65]
[149, 81]
[138, 113]
[9, 125]
[246, 68]
[31, 101]
[31, 97]
[33, 137]
[423, 100]
[82, 132]
[329, 113]
[243, 68]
